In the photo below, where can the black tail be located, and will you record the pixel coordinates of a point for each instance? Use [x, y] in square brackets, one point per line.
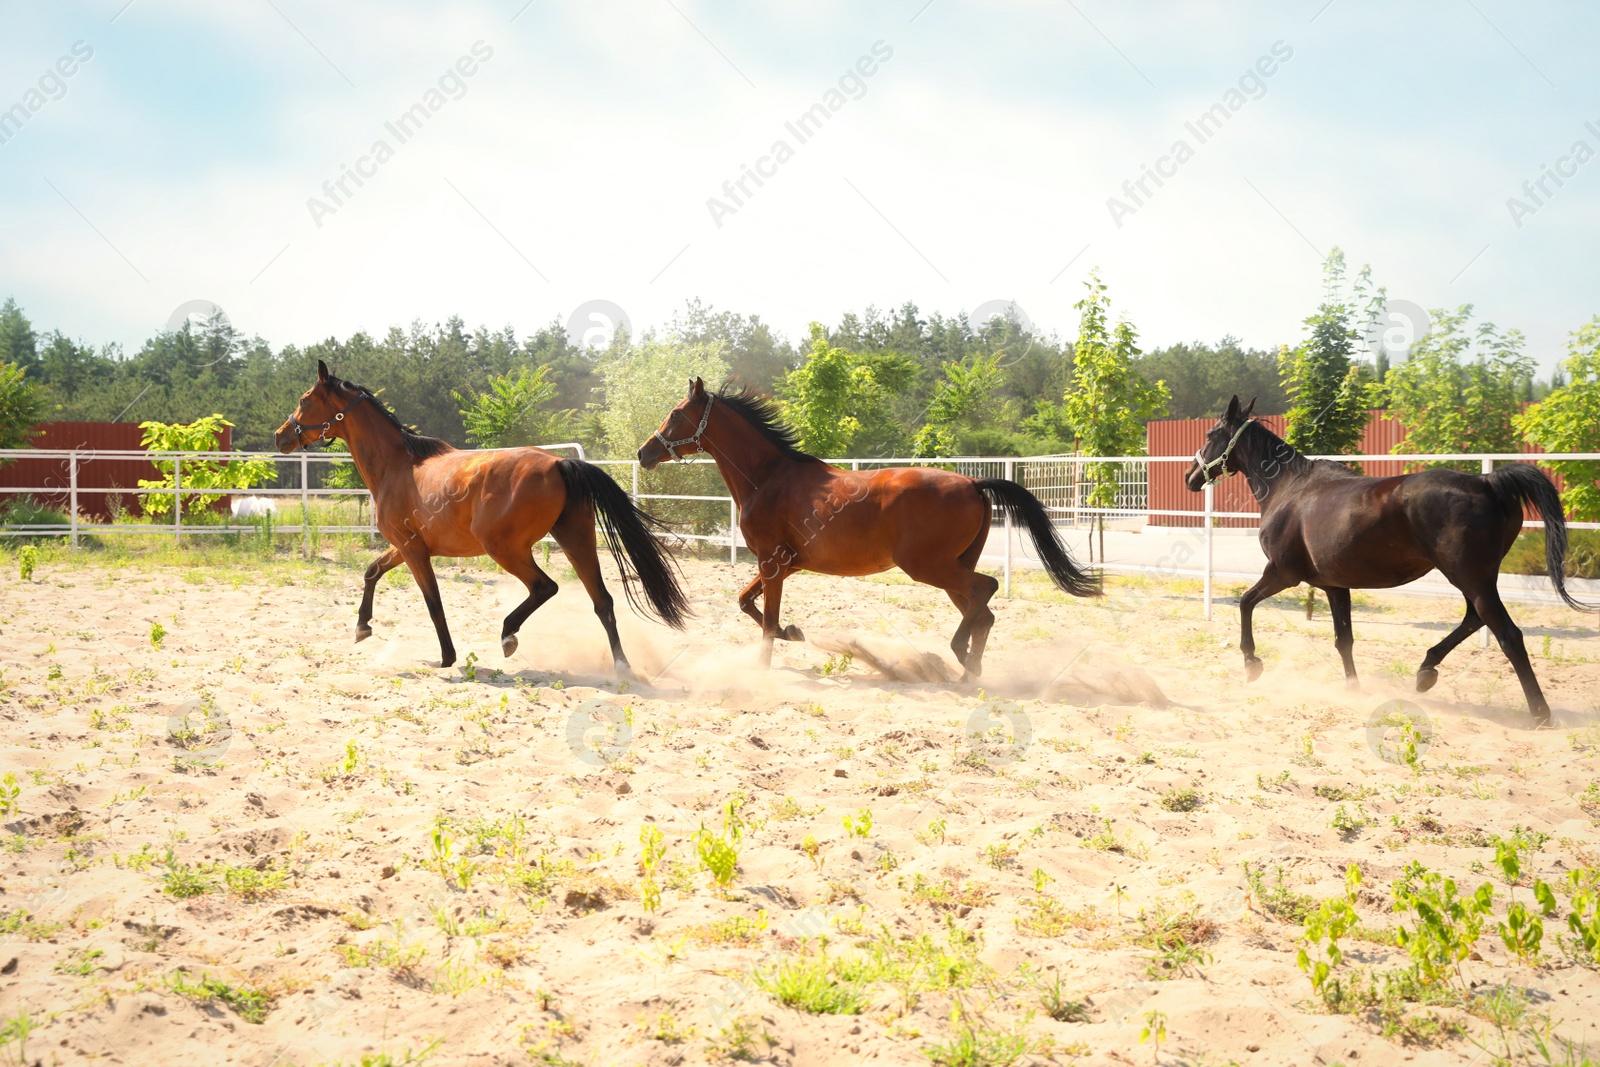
[638, 552]
[1519, 482]
[1026, 509]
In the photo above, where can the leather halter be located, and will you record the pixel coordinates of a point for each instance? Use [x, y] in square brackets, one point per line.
[1220, 464]
[672, 446]
[322, 431]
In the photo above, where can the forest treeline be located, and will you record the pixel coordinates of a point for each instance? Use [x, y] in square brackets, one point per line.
[211, 367]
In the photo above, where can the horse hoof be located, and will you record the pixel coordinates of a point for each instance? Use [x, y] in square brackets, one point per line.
[1427, 677]
[447, 661]
[792, 633]
[362, 633]
[625, 672]
[508, 644]
[1252, 669]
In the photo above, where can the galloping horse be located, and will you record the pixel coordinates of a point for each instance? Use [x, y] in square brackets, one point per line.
[1327, 526]
[798, 513]
[431, 500]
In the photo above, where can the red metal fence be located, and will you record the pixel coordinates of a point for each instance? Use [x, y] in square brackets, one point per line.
[104, 473]
[1182, 437]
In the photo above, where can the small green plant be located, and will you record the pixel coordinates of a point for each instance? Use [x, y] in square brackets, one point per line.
[1446, 925]
[352, 757]
[158, 634]
[1332, 920]
[813, 851]
[27, 559]
[185, 880]
[469, 667]
[812, 984]
[1278, 900]
[1349, 824]
[9, 792]
[859, 824]
[1154, 1030]
[652, 848]
[252, 1005]
[15, 1031]
[719, 853]
[1523, 930]
[1182, 798]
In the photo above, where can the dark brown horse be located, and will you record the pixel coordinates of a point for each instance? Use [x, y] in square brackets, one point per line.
[798, 513]
[1327, 526]
[431, 500]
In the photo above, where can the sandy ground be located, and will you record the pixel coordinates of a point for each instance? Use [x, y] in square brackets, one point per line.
[260, 843]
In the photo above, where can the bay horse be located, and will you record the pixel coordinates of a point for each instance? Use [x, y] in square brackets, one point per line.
[1336, 530]
[798, 513]
[430, 499]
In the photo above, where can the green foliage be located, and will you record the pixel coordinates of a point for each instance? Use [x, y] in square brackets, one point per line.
[859, 824]
[158, 634]
[514, 411]
[652, 848]
[1203, 377]
[1459, 392]
[719, 853]
[966, 398]
[252, 1005]
[1108, 403]
[1328, 393]
[644, 381]
[838, 402]
[15, 1031]
[199, 436]
[9, 792]
[27, 560]
[1446, 926]
[21, 406]
[1320, 956]
[1568, 420]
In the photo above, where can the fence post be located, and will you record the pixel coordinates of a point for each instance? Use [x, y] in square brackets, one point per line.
[1210, 506]
[177, 498]
[305, 506]
[1010, 477]
[733, 532]
[1487, 467]
[635, 466]
[73, 474]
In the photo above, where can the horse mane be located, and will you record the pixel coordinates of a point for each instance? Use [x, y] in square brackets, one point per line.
[418, 446]
[1298, 461]
[760, 413]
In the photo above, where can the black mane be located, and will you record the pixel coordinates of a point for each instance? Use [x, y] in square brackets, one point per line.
[759, 412]
[418, 446]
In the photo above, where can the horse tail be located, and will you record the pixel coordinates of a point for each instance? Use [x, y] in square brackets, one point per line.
[1517, 483]
[1026, 509]
[639, 552]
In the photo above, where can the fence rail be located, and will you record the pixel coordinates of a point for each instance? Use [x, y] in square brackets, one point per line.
[1064, 483]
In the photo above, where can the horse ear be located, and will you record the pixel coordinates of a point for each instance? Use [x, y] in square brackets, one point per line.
[322, 371]
[1233, 408]
[1249, 407]
[697, 388]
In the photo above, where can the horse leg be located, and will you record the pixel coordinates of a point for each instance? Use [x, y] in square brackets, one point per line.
[980, 619]
[422, 570]
[1344, 634]
[388, 561]
[959, 643]
[747, 604]
[771, 602]
[541, 587]
[1271, 582]
[575, 534]
[1494, 615]
[1428, 673]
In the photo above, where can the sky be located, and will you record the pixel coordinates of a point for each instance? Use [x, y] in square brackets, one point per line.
[974, 154]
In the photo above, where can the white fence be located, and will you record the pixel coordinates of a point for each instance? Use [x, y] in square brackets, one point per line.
[1061, 483]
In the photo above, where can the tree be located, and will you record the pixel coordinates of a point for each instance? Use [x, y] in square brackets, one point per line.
[1202, 377]
[836, 400]
[17, 341]
[1568, 420]
[198, 436]
[1328, 393]
[966, 399]
[1108, 403]
[646, 380]
[21, 407]
[1460, 391]
[513, 411]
